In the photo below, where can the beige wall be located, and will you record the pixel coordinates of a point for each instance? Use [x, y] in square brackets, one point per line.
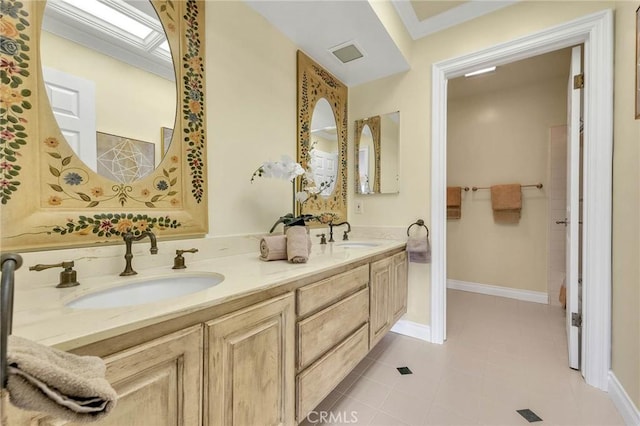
[626, 210]
[122, 91]
[496, 138]
[251, 108]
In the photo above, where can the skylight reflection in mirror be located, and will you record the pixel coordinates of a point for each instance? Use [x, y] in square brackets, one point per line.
[110, 15]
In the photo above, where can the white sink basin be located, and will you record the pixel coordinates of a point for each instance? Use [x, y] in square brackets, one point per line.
[355, 244]
[146, 291]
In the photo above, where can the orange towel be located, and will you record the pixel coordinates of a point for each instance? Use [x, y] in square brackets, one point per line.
[506, 202]
[454, 196]
[454, 202]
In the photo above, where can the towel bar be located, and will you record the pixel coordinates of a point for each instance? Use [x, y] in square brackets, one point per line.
[537, 185]
[9, 262]
[418, 222]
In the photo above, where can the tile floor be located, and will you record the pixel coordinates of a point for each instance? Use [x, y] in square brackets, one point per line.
[501, 355]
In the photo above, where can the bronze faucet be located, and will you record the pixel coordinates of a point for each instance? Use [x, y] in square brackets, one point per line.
[129, 238]
[345, 236]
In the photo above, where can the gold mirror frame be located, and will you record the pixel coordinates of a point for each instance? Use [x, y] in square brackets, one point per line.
[314, 83]
[374, 126]
[51, 199]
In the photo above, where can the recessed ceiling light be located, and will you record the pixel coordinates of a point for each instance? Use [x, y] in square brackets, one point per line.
[482, 71]
[347, 53]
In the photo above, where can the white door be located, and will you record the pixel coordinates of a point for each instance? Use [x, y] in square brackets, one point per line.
[73, 100]
[571, 221]
[325, 170]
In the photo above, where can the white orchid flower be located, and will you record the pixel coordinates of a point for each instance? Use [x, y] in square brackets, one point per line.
[301, 196]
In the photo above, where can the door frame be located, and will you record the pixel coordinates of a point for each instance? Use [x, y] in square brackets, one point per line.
[595, 31]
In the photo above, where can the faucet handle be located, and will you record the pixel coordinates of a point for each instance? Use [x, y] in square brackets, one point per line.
[178, 261]
[345, 236]
[323, 238]
[68, 277]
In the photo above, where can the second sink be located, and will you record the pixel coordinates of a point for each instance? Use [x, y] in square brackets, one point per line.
[147, 291]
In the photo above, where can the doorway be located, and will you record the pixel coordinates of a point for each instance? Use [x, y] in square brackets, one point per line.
[596, 32]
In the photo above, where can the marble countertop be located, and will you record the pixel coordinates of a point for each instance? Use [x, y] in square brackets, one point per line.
[40, 313]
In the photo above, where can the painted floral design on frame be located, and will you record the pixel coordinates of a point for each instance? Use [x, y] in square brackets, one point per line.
[110, 224]
[14, 66]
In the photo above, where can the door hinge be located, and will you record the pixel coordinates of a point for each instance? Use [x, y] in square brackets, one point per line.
[576, 319]
[578, 81]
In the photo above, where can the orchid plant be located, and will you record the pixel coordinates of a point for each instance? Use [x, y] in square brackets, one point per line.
[289, 170]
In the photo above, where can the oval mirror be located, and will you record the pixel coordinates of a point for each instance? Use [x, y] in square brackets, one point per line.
[104, 63]
[324, 148]
[377, 145]
[366, 161]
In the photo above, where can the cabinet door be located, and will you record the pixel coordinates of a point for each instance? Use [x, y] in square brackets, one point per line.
[158, 383]
[380, 299]
[399, 287]
[249, 366]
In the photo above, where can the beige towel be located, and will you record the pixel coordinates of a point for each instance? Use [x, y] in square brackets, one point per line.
[454, 202]
[419, 249]
[273, 247]
[298, 244]
[506, 202]
[51, 381]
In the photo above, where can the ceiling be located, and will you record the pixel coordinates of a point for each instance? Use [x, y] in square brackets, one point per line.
[317, 26]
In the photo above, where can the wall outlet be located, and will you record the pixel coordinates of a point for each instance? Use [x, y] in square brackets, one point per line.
[359, 207]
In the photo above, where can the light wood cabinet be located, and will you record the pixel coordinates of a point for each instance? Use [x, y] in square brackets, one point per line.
[388, 295]
[332, 334]
[266, 362]
[399, 286]
[249, 366]
[158, 383]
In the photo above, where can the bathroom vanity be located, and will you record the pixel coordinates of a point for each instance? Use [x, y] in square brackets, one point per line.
[264, 347]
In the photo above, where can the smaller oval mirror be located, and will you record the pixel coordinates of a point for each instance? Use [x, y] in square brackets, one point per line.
[324, 148]
[377, 146]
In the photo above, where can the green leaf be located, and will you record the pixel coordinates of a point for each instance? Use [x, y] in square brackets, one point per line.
[56, 188]
[84, 196]
[55, 155]
[171, 193]
[93, 204]
[25, 92]
[54, 171]
[66, 160]
[26, 105]
[163, 8]
[173, 181]
[17, 109]
[148, 204]
[165, 173]
[155, 198]
[21, 134]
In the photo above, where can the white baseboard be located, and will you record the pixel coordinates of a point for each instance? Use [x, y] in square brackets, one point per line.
[623, 403]
[493, 290]
[412, 329]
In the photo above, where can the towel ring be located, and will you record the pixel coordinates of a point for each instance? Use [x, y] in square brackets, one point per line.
[418, 222]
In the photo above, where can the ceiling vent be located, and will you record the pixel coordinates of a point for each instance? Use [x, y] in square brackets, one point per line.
[347, 52]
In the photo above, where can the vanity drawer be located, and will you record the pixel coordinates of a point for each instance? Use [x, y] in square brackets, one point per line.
[321, 294]
[325, 329]
[317, 381]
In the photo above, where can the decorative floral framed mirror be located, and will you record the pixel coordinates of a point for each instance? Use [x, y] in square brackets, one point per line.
[322, 141]
[49, 196]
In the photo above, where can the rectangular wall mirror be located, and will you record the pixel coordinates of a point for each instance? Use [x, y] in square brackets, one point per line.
[377, 148]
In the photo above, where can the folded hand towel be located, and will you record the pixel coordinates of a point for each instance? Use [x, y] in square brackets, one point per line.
[454, 202]
[454, 196]
[273, 247]
[419, 249]
[506, 202]
[298, 246]
[64, 385]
